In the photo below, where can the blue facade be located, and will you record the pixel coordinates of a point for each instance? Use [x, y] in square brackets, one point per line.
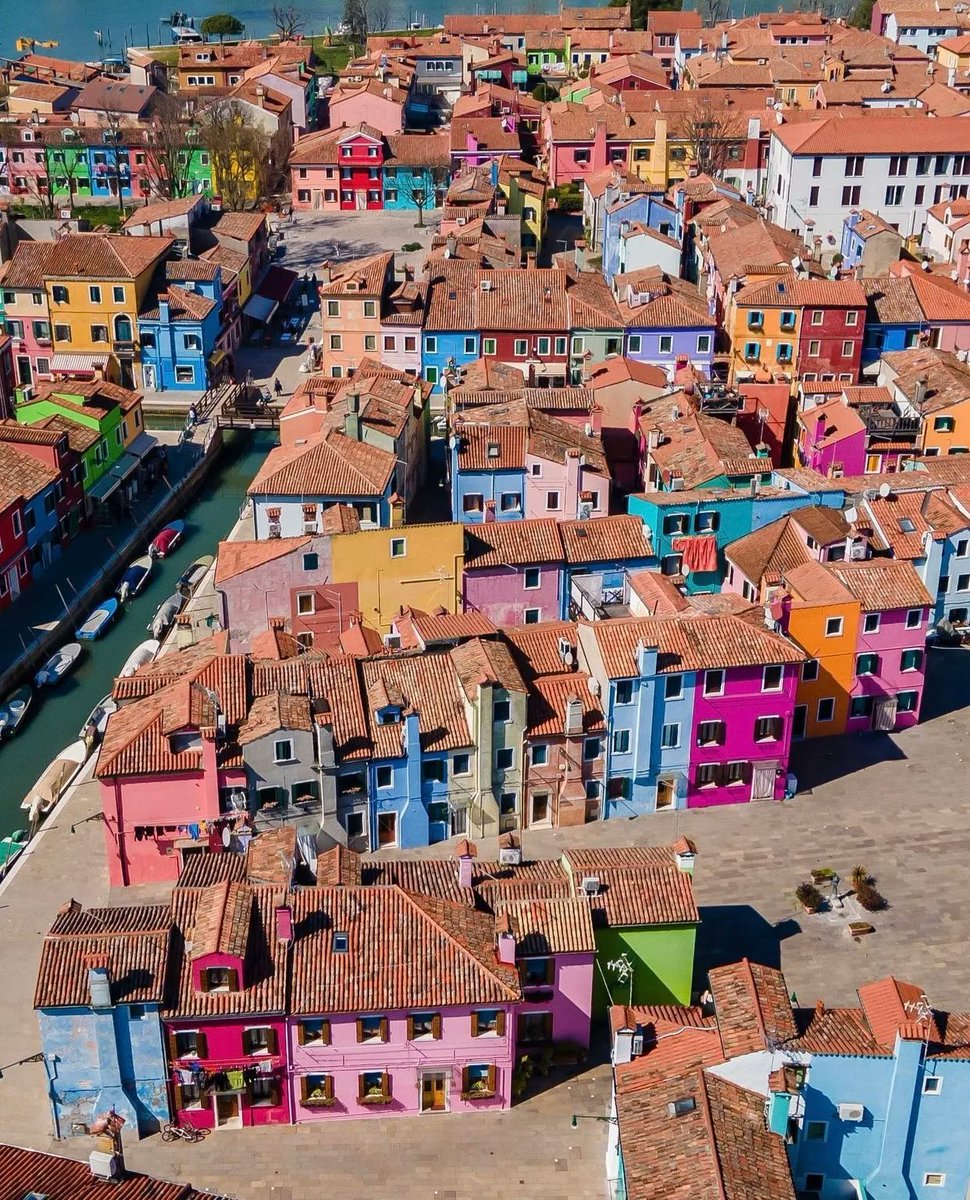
[399, 195]
[673, 698]
[907, 1131]
[176, 344]
[631, 715]
[110, 170]
[42, 527]
[666, 347]
[105, 1058]
[447, 351]
[881, 338]
[649, 210]
[950, 581]
[503, 489]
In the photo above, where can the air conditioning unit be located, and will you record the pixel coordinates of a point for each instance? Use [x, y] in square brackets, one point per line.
[852, 1113]
[27, 392]
[392, 641]
[274, 529]
[511, 856]
[104, 1165]
[486, 285]
[858, 552]
[585, 510]
[590, 885]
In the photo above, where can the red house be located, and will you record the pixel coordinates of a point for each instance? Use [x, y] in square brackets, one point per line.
[832, 328]
[523, 316]
[360, 157]
[52, 447]
[14, 556]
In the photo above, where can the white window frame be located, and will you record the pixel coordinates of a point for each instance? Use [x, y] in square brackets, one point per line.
[839, 623]
[399, 547]
[277, 758]
[936, 1080]
[306, 612]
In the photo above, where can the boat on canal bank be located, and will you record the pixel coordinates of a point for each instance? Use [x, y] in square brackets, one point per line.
[58, 665]
[98, 621]
[92, 731]
[135, 578]
[13, 711]
[54, 782]
[143, 653]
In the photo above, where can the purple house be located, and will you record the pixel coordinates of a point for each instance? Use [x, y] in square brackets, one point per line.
[514, 571]
[742, 722]
[832, 436]
[890, 664]
[667, 321]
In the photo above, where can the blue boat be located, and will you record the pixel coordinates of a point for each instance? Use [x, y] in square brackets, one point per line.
[98, 621]
[135, 578]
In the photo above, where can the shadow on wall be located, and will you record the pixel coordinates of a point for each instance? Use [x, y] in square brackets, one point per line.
[947, 682]
[729, 932]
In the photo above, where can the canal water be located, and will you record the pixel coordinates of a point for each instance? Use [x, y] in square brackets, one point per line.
[57, 714]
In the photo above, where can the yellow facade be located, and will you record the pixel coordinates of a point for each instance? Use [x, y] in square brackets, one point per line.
[764, 338]
[812, 626]
[424, 573]
[947, 429]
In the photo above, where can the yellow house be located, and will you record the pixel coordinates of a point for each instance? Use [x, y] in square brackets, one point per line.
[413, 566]
[96, 284]
[763, 323]
[953, 55]
[524, 188]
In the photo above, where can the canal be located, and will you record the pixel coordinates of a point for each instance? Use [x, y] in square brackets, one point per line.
[57, 714]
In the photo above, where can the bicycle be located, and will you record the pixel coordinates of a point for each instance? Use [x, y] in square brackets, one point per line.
[188, 1133]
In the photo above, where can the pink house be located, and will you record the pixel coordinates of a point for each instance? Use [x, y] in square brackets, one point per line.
[580, 143]
[373, 102]
[338, 170]
[225, 1030]
[513, 571]
[890, 665]
[742, 724]
[367, 1039]
[832, 439]
[573, 483]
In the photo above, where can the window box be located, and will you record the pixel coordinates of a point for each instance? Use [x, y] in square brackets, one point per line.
[477, 1092]
[320, 1102]
[375, 1099]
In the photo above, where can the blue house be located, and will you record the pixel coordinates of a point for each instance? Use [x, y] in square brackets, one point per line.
[621, 210]
[450, 340]
[600, 552]
[894, 317]
[487, 468]
[100, 986]
[416, 165]
[178, 332]
[667, 322]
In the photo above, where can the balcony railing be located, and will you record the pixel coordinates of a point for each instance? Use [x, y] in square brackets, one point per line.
[885, 423]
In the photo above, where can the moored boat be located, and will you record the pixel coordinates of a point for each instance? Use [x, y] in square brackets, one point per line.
[92, 731]
[143, 653]
[11, 848]
[166, 541]
[55, 781]
[165, 614]
[193, 574]
[98, 621]
[58, 665]
[13, 711]
[135, 578]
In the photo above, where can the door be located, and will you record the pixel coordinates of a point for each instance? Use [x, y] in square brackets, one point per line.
[148, 370]
[228, 1110]
[799, 721]
[763, 781]
[665, 794]
[540, 808]
[24, 370]
[434, 1095]
[317, 199]
[884, 715]
[387, 829]
[360, 198]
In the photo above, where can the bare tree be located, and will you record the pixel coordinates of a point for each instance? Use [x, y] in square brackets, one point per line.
[713, 12]
[357, 22]
[168, 157]
[288, 21]
[420, 186]
[711, 133]
[240, 152]
[380, 15]
[111, 123]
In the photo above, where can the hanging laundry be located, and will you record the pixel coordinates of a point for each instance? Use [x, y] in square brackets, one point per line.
[700, 553]
[186, 1076]
[194, 832]
[235, 1080]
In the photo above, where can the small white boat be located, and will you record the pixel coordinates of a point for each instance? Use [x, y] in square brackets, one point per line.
[58, 665]
[193, 574]
[14, 709]
[165, 614]
[135, 578]
[55, 781]
[92, 731]
[139, 656]
[98, 621]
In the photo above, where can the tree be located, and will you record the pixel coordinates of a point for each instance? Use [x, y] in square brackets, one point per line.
[713, 12]
[861, 15]
[111, 123]
[357, 21]
[168, 154]
[710, 131]
[545, 93]
[221, 25]
[240, 153]
[420, 185]
[288, 21]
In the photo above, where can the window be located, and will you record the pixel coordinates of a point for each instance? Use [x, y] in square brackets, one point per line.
[894, 195]
[870, 623]
[810, 670]
[633, 343]
[812, 197]
[714, 683]
[94, 295]
[768, 729]
[62, 333]
[504, 759]
[424, 1025]
[552, 501]
[192, 341]
[431, 374]
[934, 1179]
[431, 345]
[666, 343]
[581, 156]
[867, 664]
[814, 348]
[370, 341]
[520, 348]
[914, 618]
[399, 547]
[710, 733]
[850, 196]
[734, 773]
[673, 687]
[305, 604]
[911, 660]
[752, 351]
[488, 346]
[311, 562]
[472, 503]
[676, 523]
[848, 349]
[118, 294]
[591, 749]
[621, 741]
[787, 319]
[533, 578]
[461, 764]
[433, 770]
[189, 1043]
[704, 343]
[833, 627]
[932, 1085]
[756, 320]
[261, 1039]
[502, 711]
[336, 341]
[99, 333]
[333, 308]
[707, 775]
[826, 709]
[861, 706]
[814, 1182]
[536, 972]
[374, 1086]
[624, 691]
[852, 318]
[670, 564]
[283, 751]
[469, 345]
[371, 1029]
[370, 308]
[670, 736]
[542, 346]
[772, 679]
[488, 1022]
[220, 979]
[816, 1131]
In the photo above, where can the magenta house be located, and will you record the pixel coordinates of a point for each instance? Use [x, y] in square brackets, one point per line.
[832, 435]
[225, 1029]
[369, 1037]
[513, 571]
[742, 723]
[890, 664]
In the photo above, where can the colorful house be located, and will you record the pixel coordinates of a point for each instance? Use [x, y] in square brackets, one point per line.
[513, 571]
[667, 321]
[449, 340]
[52, 448]
[178, 332]
[832, 438]
[894, 318]
[26, 315]
[351, 302]
[417, 168]
[378, 103]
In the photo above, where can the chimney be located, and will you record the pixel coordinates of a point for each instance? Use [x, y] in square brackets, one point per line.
[819, 1008]
[99, 980]
[284, 923]
[919, 398]
[163, 313]
[352, 418]
[467, 853]
[505, 940]
[684, 854]
[530, 261]
[579, 247]
[451, 246]
[260, 95]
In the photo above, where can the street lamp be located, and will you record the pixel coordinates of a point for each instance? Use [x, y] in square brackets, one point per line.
[577, 1117]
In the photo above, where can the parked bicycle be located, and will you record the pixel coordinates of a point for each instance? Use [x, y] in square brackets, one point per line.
[188, 1133]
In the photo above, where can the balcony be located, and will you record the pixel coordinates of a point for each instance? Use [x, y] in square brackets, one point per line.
[600, 596]
[885, 424]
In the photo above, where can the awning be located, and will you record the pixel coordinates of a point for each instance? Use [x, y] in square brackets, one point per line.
[105, 486]
[125, 466]
[78, 362]
[142, 445]
[276, 283]
[261, 308]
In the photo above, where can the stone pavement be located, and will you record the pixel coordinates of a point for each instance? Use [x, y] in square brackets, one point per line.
[897, 804]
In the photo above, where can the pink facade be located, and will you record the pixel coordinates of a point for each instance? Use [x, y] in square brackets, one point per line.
[741, 734]
[891, 684]
[315, 187]
[502, 594]
[328, 1080]
[401, 347]
[576, 160]
[568, 1002]
[29, 324]
[378, 107]
[560, 489]
[822, 446]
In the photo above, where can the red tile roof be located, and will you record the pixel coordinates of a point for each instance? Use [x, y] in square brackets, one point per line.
[554, 926]
[549, 696]
[31, 1172]
[512, 543]
[330, 465]
[752, 1007]
[882, 585]
[896, 132]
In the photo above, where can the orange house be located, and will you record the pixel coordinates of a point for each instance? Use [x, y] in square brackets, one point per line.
[351, 297]
[822, 617]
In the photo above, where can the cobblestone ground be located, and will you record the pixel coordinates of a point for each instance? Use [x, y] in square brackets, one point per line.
[896, 804]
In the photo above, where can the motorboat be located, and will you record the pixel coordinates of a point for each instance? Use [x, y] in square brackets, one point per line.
[14, 710]
[55, 781]
[92, 731]
[11, 847]
[98, 621]
[135, 578]
[143, 653]
[193, 574]
[165, 614]
[166, 541]
[58, 665]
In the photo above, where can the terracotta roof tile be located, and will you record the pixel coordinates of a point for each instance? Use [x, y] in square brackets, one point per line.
[896, 132]
[541, 927]
[605, 539]
[240, 226]
[419, 630]
[513, 543]
[752, 1007]
[104, 256]
[549, 696]
[428, 685]
[882, 584]
[236, 558]
[23, 1172]
[331, 465]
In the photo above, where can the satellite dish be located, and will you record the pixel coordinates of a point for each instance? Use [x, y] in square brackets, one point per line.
[885, 491]
[226, 836]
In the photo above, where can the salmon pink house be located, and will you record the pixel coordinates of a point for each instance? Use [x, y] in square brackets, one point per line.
[338, 170]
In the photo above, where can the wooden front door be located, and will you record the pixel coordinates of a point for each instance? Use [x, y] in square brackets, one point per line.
[434, 1097]
[228, 1110]
[665, 794]
[387, 829]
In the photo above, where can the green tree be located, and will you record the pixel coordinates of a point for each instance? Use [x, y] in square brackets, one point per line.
[221, 25]
[861, 15]
[545, 93]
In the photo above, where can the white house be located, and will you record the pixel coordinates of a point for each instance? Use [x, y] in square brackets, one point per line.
[924, 30]
[895, 164]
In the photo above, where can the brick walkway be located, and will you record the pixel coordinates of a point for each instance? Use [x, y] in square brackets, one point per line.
[897, 804]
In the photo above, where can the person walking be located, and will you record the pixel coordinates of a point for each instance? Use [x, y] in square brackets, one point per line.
[277, 387]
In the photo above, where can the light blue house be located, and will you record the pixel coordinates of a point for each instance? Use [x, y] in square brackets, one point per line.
[178, 332]
[100, 986]
[487, 474]
[450, 340]
[894, 318]
[416, 166]
[619, 214]
[667, 322]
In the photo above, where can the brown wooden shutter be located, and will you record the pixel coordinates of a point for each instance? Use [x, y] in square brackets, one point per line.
[383, 1029]
[361, 1089]
[173, 1052]
[436, 1026]
[301, 1035]
[385, 1084]
[500, 1023]
[474, 1024]
[274, 1042]
[464, 1079]
[410, 1029]
[360, 1029]
[304, 1089]
[274, 1092]
[491, 1077]
[200, 1045]
[233, 980]
[550, 970]
[179, 1098]
[328, 1086]
[325, 1032]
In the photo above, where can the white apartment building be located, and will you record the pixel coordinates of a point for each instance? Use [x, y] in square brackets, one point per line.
[896, 164]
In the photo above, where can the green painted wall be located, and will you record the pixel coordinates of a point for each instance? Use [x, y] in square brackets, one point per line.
[98, 457]
[663, 964]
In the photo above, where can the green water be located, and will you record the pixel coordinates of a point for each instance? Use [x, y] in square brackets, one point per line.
[57, 714]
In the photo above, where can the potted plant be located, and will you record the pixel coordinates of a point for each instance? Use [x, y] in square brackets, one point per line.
[809, 897]
[479, 1090]
[870, 899]
[822, 875]
[860, 877]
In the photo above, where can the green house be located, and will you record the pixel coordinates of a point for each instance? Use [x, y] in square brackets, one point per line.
[644, 918]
